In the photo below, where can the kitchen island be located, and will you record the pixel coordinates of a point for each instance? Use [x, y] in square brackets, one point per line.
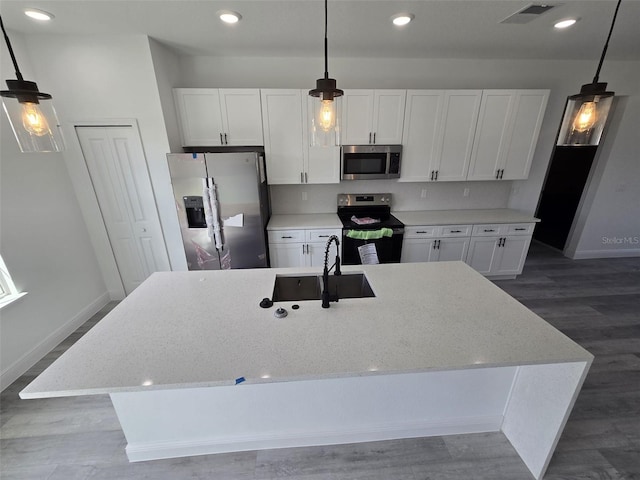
[193, 365]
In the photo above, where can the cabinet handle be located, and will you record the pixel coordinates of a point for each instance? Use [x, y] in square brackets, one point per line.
[520, 229]
[324, 236]
[225, 139]
[502, 240]
[221, 140]
[489, 230]
[374, 137]
[306, 178]
[501, 173]
[421, 231]
[286, 237]
[437, 174]
[497, 174]
[438, 244]
[435, 244]
[431, 175]
[301, 177]
[456, 231]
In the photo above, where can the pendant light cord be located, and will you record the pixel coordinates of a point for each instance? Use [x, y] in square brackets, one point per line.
[326, 48]
[606, 45]
[13, 57]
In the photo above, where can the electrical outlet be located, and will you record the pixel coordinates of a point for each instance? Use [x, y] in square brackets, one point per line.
[423, 193]
[465, 193]
[304, 196]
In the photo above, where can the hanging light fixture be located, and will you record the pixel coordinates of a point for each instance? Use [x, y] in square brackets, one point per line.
[324, 124]
[586, 112]
[33, 119]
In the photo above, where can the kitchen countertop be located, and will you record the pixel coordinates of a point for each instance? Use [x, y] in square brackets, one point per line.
[464, 217]
[301, 221]
[203, 329]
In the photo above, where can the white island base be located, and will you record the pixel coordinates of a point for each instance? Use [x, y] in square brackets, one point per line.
[529, 404]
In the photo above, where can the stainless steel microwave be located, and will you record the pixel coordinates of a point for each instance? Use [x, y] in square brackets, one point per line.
[364, 162]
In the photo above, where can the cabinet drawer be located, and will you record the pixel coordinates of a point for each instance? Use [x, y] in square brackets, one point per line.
[285, 236]
[520, 228]
[488, 230]
[421, 232]
[456, 231]
[323, 235]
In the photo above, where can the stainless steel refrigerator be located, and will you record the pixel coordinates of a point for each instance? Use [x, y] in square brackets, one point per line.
[222, 201]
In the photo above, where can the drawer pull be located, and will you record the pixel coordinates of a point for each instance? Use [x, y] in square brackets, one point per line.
[520, 229]
[490, 230]
[286, 237]
[456, 231]
[324, 236]
[421, 231]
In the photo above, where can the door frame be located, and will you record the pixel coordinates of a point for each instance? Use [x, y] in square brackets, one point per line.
[89, 205]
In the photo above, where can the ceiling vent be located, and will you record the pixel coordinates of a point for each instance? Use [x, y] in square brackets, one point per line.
[527, 14]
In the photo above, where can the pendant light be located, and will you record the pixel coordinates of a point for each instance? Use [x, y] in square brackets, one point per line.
[586, 112]
[324, 123]
[33, 119]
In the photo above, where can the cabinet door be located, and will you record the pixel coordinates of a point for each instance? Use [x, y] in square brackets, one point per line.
[241, 116]
[460, 114]
[491, 134]
[315, 255]
[525, 122]
[199, 116]
[483, 254]
[452, 249]
[421, 134]
[416, 250]
[512, 256]
[357, 117]
[323, 165]
[284, 255]
[283, 135]
[388, 116]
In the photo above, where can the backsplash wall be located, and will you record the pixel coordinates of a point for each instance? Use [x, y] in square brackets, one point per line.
[289, 199]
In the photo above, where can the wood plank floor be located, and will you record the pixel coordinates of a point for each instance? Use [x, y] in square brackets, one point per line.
[595, 302]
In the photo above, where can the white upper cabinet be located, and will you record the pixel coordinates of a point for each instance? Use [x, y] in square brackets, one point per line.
[372, 117]
[439, 128]
[283, 124]
[290, 158]
[506, 134]
[219, 117]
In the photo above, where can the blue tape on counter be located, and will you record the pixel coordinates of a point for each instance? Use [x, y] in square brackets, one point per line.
[195, 155]
[239, 380]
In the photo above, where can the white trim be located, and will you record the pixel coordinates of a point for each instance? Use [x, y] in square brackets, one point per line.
[143, 451]
[9, 299]
[29, 359]
[610, 253]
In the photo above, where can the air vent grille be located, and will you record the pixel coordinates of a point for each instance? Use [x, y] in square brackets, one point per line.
[527, 14]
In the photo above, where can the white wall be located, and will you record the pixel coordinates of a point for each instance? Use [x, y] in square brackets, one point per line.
[563, 78]
[44, 242]
[107, 78]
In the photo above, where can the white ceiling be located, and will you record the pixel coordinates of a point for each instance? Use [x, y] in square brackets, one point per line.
[357, 28]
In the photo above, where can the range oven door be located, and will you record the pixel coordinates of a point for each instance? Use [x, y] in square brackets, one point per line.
[389, 249]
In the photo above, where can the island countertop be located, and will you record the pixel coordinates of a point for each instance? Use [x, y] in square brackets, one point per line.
[203, 329]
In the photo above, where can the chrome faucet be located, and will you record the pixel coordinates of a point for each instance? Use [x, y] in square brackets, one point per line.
[326, 297]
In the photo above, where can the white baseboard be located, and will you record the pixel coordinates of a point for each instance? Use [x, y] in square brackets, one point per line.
[33, 356]
[138, 452]
[609, 253]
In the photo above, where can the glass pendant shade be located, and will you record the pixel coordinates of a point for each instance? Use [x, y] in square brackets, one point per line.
[585, 116]
[324, 122]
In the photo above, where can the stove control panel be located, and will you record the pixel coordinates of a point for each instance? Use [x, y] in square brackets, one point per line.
[363, 199]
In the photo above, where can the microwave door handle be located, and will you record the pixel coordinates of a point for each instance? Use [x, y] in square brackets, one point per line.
[388, 169]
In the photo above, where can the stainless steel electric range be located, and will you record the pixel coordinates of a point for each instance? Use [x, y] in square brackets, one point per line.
[367, 221]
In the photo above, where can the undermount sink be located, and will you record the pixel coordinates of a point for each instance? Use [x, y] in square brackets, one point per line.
[288, 288]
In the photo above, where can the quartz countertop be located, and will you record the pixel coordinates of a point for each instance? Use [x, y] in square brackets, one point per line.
[464, 217]
[203, 329]
[302, 221]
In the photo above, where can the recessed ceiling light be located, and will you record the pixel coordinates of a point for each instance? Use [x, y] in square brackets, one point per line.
[565, 23]
[38, 14]
[227, 16]
[402, 18]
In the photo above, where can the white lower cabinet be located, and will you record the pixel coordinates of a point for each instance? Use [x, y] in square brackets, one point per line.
[300, 248]
[500, 250]
[435, 243]
[492, 250]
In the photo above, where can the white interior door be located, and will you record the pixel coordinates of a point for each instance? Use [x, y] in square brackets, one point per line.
[118, 171]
